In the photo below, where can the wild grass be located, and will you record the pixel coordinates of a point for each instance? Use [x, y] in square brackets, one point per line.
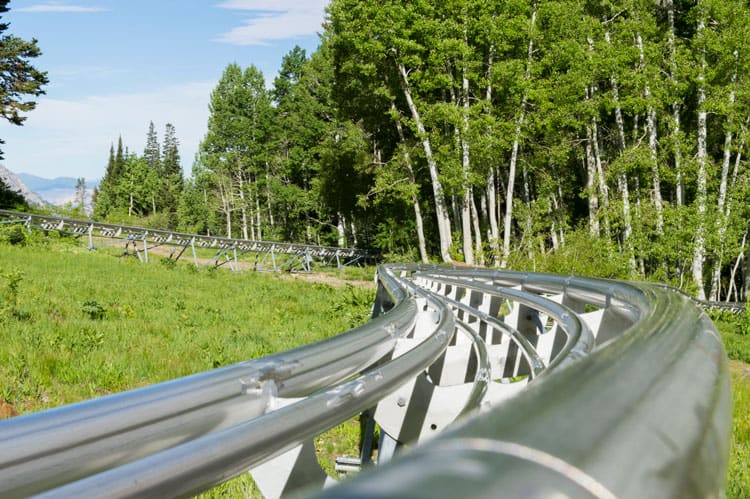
[75, 326]
[733, 330]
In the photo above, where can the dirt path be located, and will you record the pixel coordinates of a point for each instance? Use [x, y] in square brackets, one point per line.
[326, 278]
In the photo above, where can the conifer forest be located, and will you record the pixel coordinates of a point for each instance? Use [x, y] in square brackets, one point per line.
[493, 133]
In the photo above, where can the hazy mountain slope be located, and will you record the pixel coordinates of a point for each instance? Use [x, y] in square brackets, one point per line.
[14, 182]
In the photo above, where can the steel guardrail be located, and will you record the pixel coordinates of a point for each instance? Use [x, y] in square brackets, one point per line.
[498, 383]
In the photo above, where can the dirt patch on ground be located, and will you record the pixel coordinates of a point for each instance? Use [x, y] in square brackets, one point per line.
[331, 280]
[740, 369]
[7, 410]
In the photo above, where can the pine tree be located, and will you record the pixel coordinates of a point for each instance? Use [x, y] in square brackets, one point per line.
[170, 152]
[152, 153]
[119, 167]
[18, 77]
[172, 182]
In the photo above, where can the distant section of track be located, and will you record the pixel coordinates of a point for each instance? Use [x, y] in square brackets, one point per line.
[269, 254]
[480, 383]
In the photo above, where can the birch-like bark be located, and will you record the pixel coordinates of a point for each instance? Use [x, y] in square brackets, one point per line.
[652, 144]
[622, 177]
[243, 207]
[441, 212]
[226, 205]
[679, 181]
[701, 192]
[465, 166]
[258, 216]
[722, 220]
[603, 189]
[516, 144]
[340, 229]
[733, 275]
[492, 214]
[590, 164]
[268, 199]
[413, 181]
[479, 254]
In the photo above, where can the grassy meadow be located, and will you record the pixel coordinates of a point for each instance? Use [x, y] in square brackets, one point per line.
[76, 324]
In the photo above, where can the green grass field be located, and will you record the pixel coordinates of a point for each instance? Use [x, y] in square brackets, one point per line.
[76, 324]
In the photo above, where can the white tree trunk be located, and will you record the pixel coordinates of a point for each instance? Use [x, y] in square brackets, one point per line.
[258, 217]
[268, 198]
[243, 205]
[622, 177]
[701, 192]
[722, 220]
[603, 189]
[492, 212]
[733, 275]
[478, 250]
[591, 185]
[340, 229]
[507, 220]
[465, 166]
[355, 241]
[652, 145]
[414, 199]
[441, 212]
[679, 181]
[226, 208]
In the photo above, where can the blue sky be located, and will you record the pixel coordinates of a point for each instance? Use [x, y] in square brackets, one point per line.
[115, 65]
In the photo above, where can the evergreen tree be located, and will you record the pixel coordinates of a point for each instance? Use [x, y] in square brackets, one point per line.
[119, 167]
[291, 68]
[172, 181]
[18, 78]
[171, 153]
[10, 199]
[152, 152]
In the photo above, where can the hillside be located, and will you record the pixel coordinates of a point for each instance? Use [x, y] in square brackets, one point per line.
[17, 184]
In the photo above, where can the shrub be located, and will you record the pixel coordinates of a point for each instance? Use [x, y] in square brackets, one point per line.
[93, 310]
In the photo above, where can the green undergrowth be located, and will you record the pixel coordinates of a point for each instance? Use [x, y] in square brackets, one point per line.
[738, 485]
[734, 333]
[76, 324]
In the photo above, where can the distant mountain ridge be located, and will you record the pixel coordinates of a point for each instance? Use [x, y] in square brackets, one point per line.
[57, 191]
[17, 184]
[38, 184]
[42, 191]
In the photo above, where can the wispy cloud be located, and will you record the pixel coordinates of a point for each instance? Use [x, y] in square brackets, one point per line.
[274, 20]
[57, 7]
[72, 136]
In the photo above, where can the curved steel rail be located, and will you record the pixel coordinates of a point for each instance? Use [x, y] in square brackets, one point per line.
[562, 385]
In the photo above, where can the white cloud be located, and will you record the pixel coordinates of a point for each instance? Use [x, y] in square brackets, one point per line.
[274, 20]
[72, 137]
[59, 8]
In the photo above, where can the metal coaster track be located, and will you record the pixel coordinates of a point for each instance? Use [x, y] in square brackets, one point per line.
[140, 240]
[483, 383]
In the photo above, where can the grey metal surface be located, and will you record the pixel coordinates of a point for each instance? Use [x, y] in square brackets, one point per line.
[559, 386]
